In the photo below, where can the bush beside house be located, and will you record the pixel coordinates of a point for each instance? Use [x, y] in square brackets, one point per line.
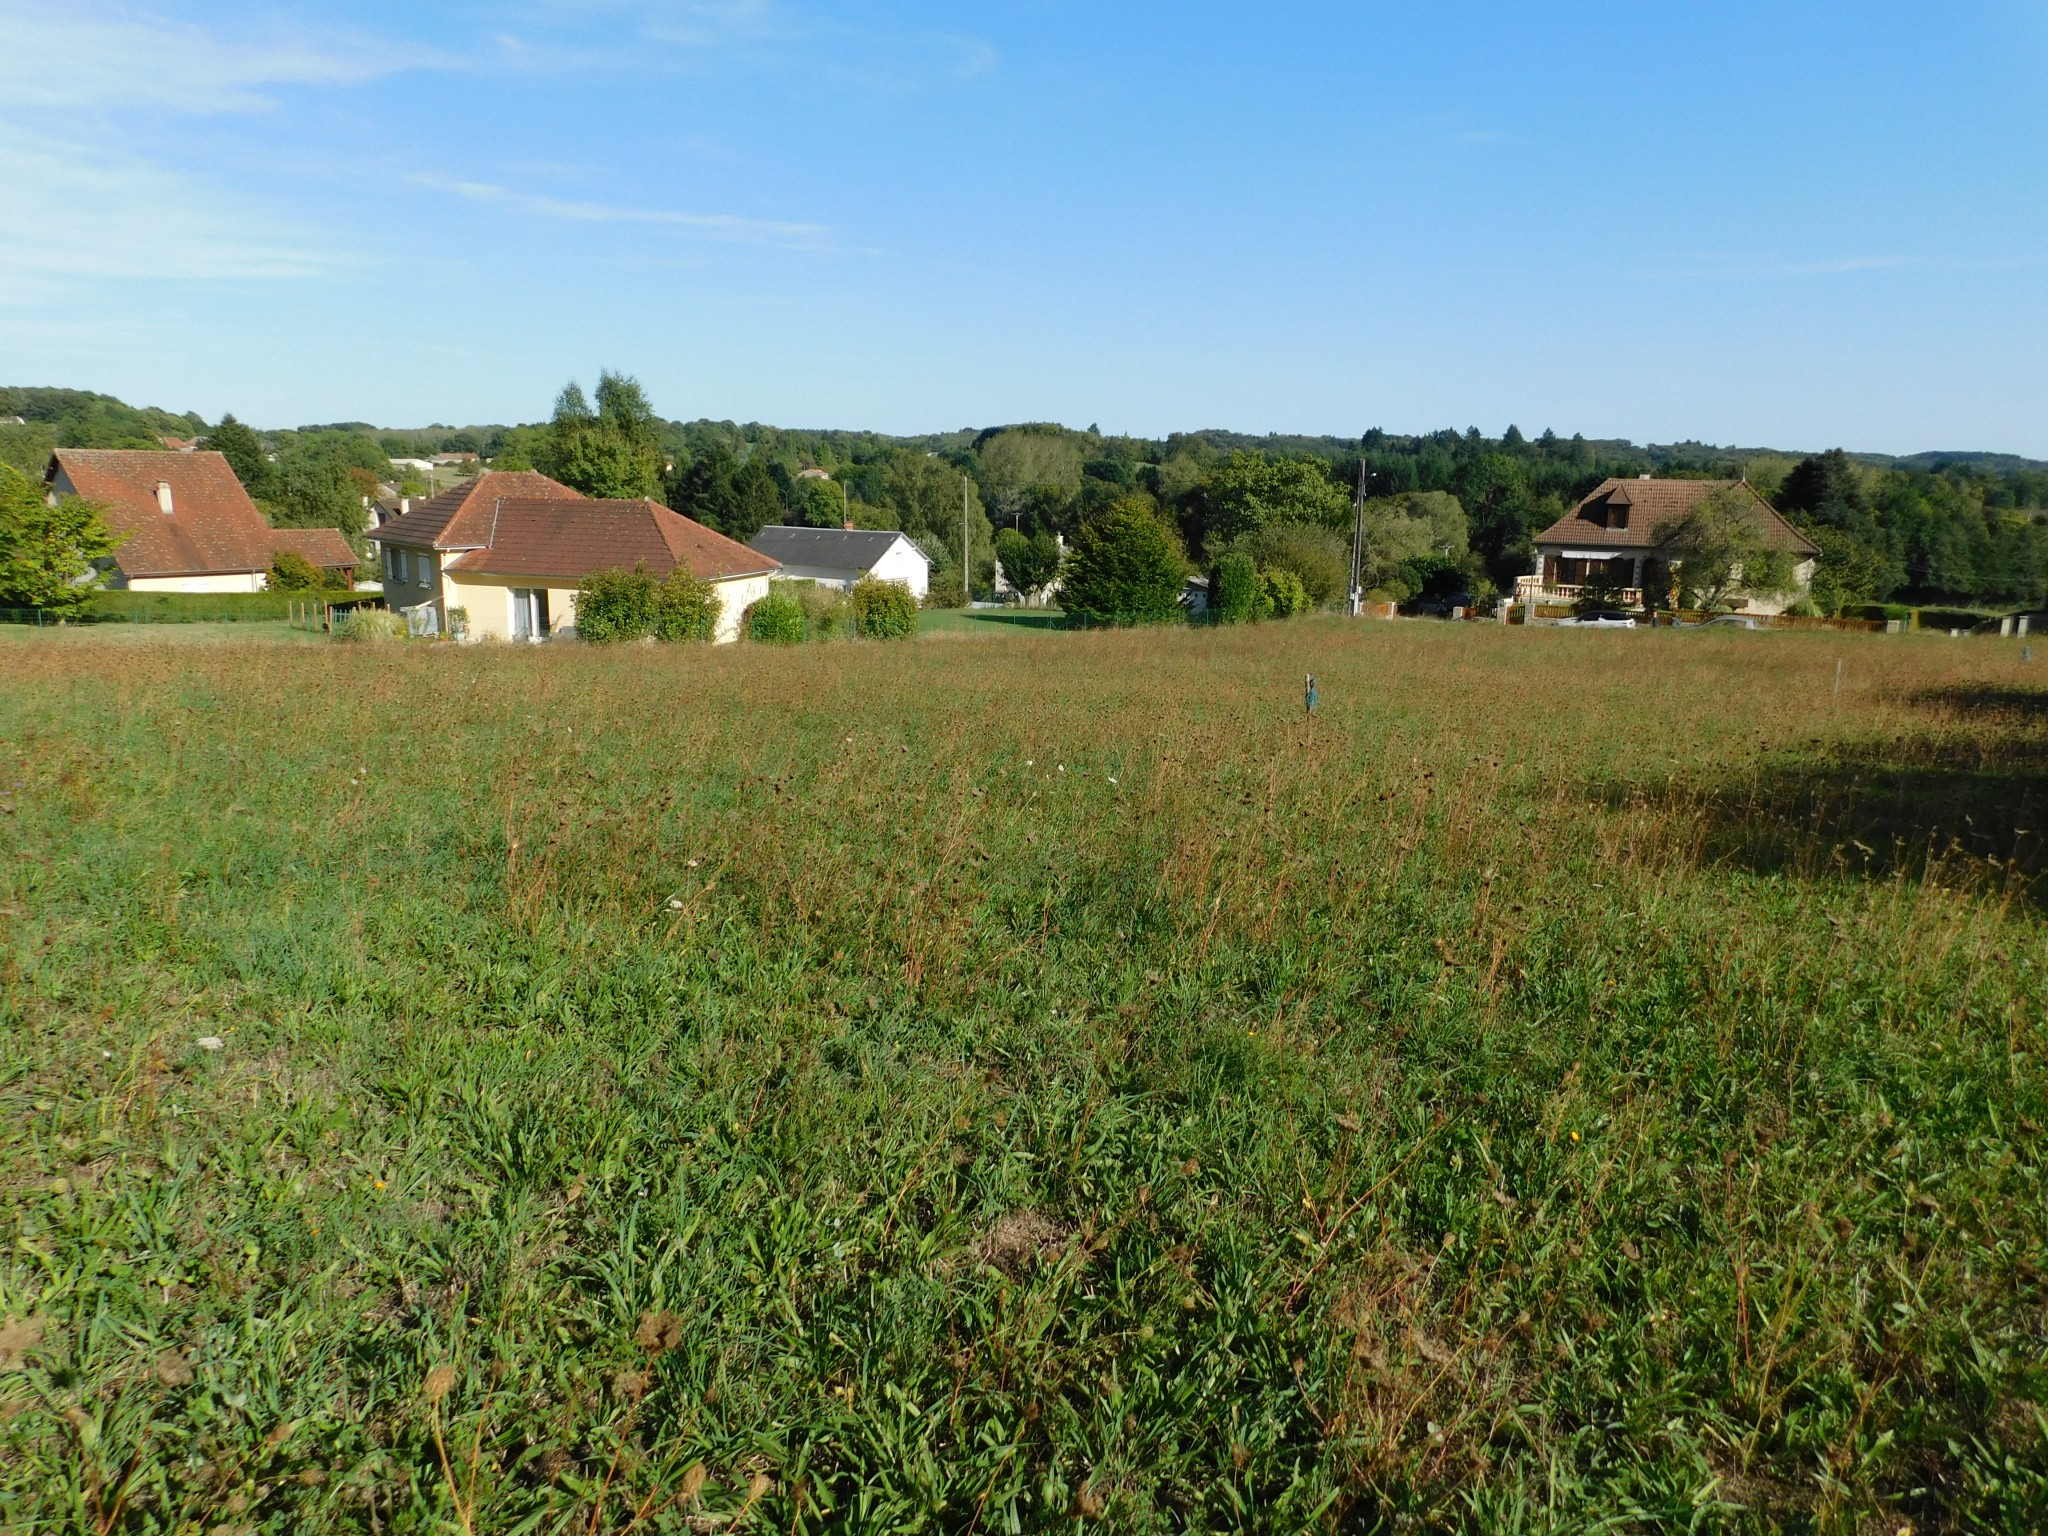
[615, 605]
[777, 619]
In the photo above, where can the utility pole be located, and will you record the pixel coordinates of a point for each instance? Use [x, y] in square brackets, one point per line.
[1357, 605]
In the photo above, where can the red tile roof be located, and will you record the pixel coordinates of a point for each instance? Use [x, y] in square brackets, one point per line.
[1647, 510]
[460, 518]
[325, 547]
[212, 529]
[568, 540]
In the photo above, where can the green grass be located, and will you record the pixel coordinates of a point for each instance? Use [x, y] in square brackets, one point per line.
[1566, 1084]
[988, 621]
[180, 632]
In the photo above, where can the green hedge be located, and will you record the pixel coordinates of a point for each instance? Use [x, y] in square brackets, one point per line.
[208, 607]
[1950, 618]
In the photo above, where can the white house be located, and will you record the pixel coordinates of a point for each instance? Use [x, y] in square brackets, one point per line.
[838, 557]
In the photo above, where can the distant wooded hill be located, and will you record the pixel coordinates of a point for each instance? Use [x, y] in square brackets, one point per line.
[1961, 526]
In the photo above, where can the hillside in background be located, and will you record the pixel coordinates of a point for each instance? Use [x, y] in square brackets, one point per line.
[1458, 510]
[79, 418]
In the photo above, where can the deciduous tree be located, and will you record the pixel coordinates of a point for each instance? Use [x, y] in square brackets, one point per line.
[47, 551]
[1720, 554]
[1031, 561]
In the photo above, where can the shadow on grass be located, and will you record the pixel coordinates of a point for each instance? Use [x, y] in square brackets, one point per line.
[1966, 805]
[1026, 620]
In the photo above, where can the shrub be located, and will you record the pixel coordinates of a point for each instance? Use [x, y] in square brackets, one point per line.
[1237, 595]
[1877, 611]
[370, 624]
[777, 619]
[615, 605]
[883, 610]
[827, 613]
[683, 608]
[290, 572]
[1125, 567]
[1320, 557]
[1285, 595]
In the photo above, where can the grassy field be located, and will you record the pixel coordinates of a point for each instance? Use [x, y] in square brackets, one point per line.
[1576, 1081]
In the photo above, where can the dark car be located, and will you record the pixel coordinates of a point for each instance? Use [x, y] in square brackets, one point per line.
[1442, 607]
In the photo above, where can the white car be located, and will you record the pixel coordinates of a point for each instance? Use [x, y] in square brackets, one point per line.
[1601, 618]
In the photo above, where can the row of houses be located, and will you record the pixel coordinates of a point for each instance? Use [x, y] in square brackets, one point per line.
[508, 549]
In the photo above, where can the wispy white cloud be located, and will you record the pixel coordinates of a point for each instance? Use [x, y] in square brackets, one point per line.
[765, 34]
[717, 226]
[77, 211]
[70, 54]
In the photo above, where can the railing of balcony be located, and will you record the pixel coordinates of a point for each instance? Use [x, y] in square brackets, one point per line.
[1559, 592]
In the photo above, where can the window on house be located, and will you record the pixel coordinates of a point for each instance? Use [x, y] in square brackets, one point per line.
[529, 613]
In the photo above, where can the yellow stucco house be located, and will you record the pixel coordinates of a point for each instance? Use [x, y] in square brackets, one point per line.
[507, 551]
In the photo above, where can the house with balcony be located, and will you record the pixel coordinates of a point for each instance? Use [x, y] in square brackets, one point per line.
[1609, 540]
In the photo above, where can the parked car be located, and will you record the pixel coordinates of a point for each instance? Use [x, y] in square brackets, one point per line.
[1728, 621]
[1601, 618]
[1443, 607]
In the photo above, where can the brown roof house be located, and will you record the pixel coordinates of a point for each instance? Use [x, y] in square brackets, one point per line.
[324, 548]
[508, 550]
[1607, 539]
[190, 526]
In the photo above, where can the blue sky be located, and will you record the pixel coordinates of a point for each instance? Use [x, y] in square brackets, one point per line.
[1797, 224]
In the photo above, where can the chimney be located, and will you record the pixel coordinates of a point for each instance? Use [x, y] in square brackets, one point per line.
[163, 496]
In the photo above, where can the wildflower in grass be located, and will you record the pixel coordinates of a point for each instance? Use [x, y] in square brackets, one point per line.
[380, 1183]
[439, 1382]
[211, 1043]
[675, 903]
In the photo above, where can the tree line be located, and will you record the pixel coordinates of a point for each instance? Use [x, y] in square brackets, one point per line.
[1446, 512]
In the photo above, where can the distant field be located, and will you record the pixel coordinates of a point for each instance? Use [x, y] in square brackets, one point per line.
[1575, 1080]
[988, 621]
